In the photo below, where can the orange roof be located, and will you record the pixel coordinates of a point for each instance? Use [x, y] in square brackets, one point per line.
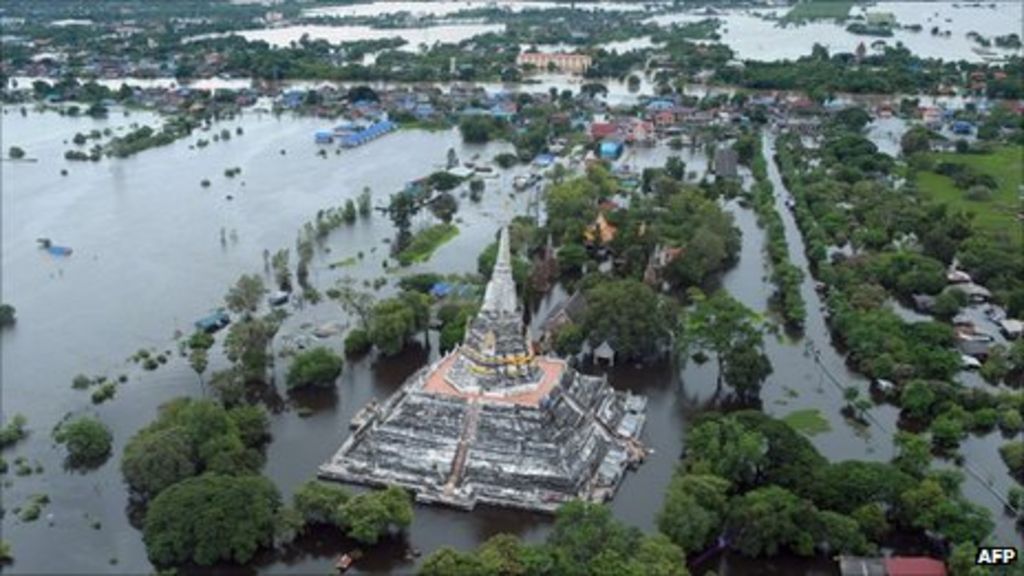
[436, 383]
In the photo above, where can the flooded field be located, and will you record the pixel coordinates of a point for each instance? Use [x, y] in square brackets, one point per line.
[430, 35]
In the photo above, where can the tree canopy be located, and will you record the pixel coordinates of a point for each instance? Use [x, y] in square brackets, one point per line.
[316, 367]
[211, 518]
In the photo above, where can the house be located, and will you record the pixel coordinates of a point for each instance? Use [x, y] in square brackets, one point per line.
[611, 149]
[962, 127]
[892, 566]
[570, 311]
[923, 302]
[1011, 329]
[604, 354]
[976, 348]
[914, 566]
[564, 62]
[860, 566]
[601, 231]
[603, 130]
[725, 163]
[662, 257]
[976, 293]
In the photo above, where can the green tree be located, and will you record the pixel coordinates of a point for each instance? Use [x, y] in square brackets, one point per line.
[316, 367]
[726, 327]
[211, 518]
[1013, 455]
[157, 459]
[245, 295]
[937, 505]
[320, 503]
[7, 315]
[478, 129]
[917, 139]
[190, 437]
[15, 153]
[767, 520]
[365, 203]
[947, 431]
[87, 440]
[198, 360]
[246, 345]
[369, 516]
[694, 510]
[630, 315]
[726, 448]
[448, 562]
[913, 453]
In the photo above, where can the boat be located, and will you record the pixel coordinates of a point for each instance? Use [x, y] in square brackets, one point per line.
[213, 322]
[279, 298]
[345, 561]
[53, 249]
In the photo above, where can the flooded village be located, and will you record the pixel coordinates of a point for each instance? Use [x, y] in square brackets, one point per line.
[453, 287]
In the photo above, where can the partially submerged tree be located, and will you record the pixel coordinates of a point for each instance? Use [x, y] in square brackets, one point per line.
[732, 332]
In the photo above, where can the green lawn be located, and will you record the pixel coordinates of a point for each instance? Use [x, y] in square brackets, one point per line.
[425, 242]
[809, 422]
[1005, 165]
[825, 10]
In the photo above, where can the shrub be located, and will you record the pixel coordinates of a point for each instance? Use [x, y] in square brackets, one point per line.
[357, 342]
[316, 367]
[87, 441]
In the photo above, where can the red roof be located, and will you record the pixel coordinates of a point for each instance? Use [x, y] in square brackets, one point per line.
[914, 566]
[599, 130]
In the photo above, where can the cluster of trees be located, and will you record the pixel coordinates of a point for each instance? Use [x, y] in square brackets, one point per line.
[479, 129]
[764, 488]
[671, 215]
[365, 517]
[786, 276]
[196, 471]
[192, 437]
[386, 324]
[637, 321]
[586, 539]
[725, 327]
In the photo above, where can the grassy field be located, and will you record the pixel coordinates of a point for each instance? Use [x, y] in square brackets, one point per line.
[425, 242]
[808, 422]
[824, 10]
[1005, 165]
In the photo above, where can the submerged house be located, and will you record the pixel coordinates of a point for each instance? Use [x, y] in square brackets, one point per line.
[493, 423]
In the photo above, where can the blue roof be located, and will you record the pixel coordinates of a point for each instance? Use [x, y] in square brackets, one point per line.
[371, 132]
[544, 160]
[660, 104]
[440, 289]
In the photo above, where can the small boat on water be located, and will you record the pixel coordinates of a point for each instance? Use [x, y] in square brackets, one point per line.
[345, 561]
[53, 249]
[213, 322]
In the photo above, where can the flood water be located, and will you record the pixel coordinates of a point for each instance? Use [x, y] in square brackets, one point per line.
[148, 260]
[755, 37]
[430, 35]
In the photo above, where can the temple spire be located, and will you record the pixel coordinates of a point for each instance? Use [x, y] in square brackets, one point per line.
[500, 297]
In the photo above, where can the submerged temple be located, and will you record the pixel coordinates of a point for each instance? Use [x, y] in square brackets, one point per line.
[491, 422]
